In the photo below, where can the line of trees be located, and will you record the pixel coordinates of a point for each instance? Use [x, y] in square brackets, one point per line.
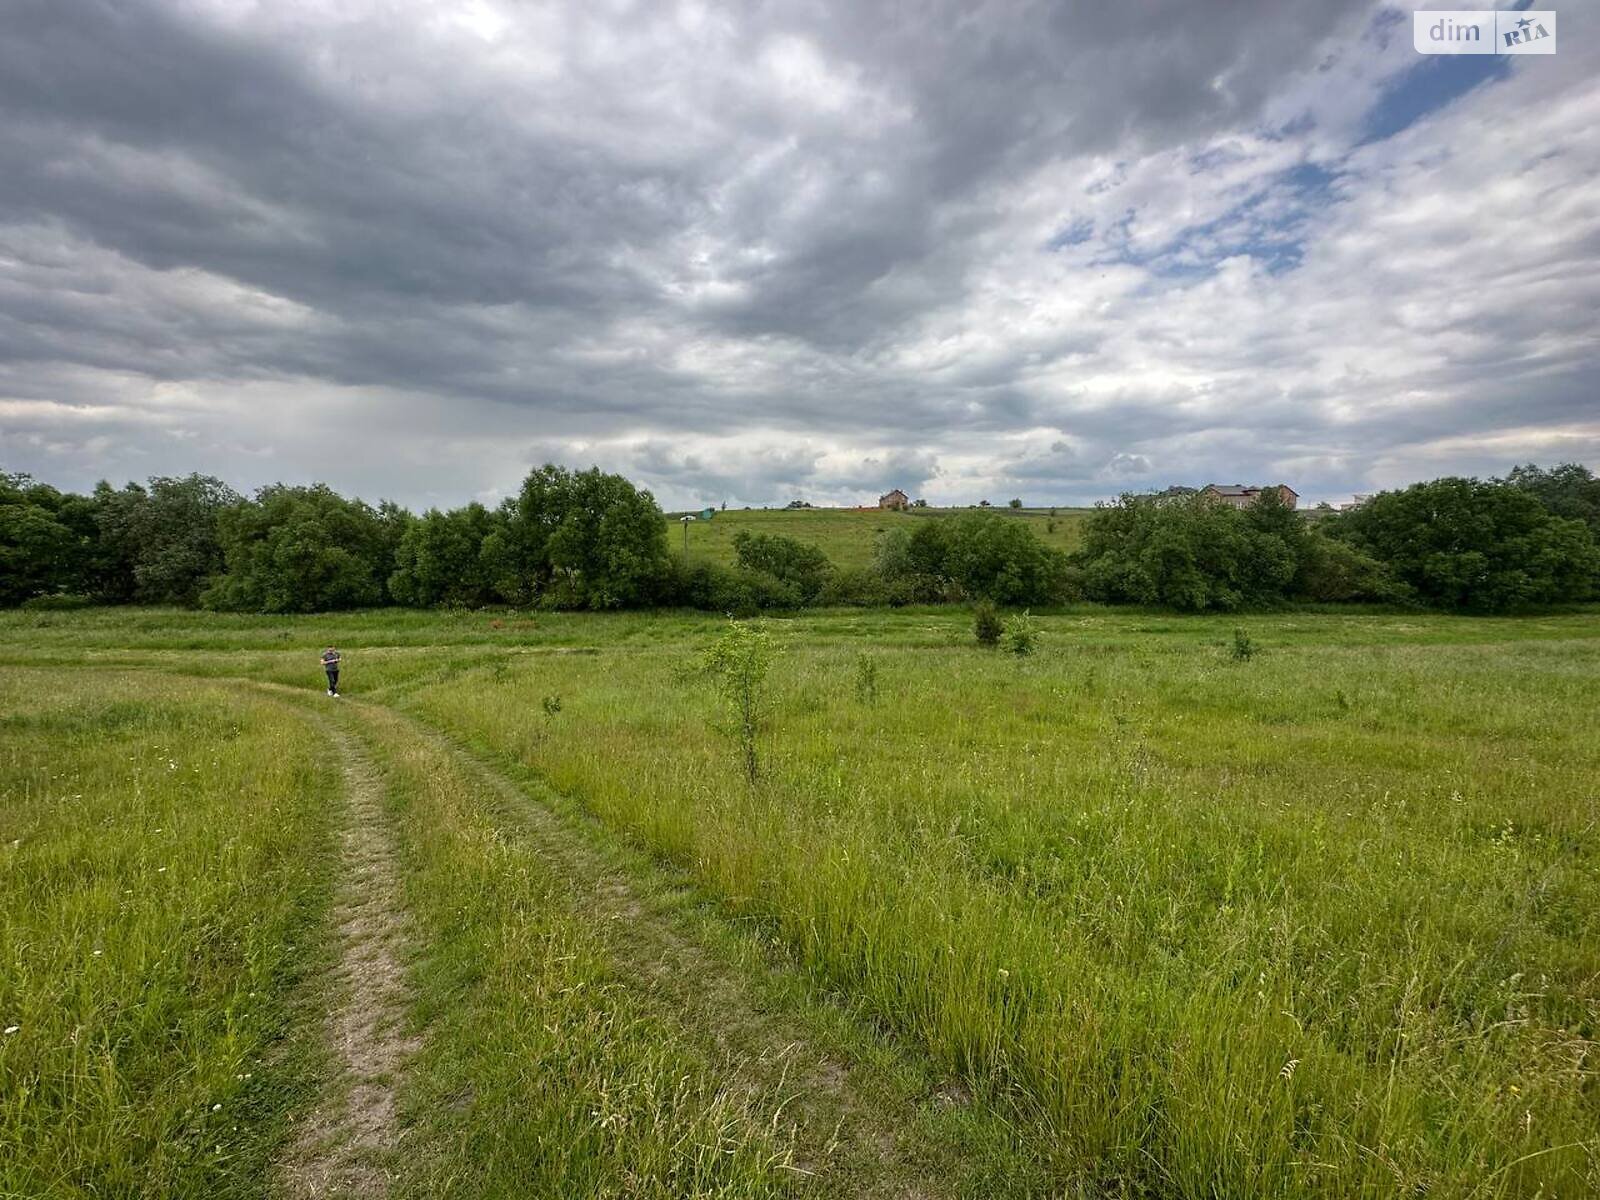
[591, 540]
[1494, 545]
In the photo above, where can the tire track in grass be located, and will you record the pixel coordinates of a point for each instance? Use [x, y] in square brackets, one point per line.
[346, 1146]
[859, 1128]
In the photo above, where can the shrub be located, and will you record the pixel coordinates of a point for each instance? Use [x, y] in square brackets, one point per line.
[1333, 571]
[732, 591]
[439, 559]
[300, 549]
[577, 539]
[800, 567]
[986, 625]
[57, 602]
[738, 661]
[1190, 553]
[866, 679]
[1020, 634]
[1471, 544]
[976, 555]
[1244, 649]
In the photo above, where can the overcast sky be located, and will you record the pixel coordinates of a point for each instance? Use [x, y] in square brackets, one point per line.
[748, 252]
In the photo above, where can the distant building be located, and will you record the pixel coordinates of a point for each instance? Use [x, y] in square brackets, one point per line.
[895, 499]
[1357, 501]
[1241, 495]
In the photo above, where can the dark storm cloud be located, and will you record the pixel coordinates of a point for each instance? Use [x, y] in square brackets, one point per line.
[738, 249]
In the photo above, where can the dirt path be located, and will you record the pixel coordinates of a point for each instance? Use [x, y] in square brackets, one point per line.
[345, 1146]
[855, 1130]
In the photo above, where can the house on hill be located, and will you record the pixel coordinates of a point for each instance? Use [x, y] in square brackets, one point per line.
[1241, 495]
[895, 499]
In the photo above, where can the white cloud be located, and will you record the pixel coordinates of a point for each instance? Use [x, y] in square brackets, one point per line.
[744, 255]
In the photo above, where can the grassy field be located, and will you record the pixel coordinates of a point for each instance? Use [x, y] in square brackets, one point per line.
[847, 535]
[1128, 916]
[165, 851]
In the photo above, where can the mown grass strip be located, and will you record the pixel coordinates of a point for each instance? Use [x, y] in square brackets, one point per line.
[164, 865]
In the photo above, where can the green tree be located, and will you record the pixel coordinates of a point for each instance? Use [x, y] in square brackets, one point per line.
[300, 549]
[440, 559]
[978, 555]
[1190, 553]
[738, 661]
[803, 569]
[167, 533]
[1475, 544]
[43, 550]
[1569, 490]
[579, 539]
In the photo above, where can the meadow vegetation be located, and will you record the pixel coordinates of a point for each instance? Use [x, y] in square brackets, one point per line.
[165, 848]
[1315, 919]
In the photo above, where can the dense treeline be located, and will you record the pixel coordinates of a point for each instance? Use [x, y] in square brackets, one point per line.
[587, 539]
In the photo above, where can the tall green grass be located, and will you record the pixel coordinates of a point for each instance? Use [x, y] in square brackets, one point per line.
[1322, 923]
[163, 868]
[541, 1073]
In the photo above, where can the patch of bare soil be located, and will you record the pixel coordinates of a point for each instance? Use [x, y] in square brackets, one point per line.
[345, 1146]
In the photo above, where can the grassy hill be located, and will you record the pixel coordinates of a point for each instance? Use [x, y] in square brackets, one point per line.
[847, 535]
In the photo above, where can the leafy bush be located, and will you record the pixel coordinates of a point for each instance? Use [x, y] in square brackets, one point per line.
[976, 555]
[802, 568]
[165, 536]
[1570, 490]
[986, 625]
[733, 591]
[439, 559]
[43, 550]
[57, 602]
[738, 661]
[577, 539]
[866, 679]
[1243, 649]
[1471, 544]
[300, 549]
[1020, 634]
[1332, 570]
[1190, 553]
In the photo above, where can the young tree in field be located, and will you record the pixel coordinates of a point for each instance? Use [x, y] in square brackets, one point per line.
[579, 539]
[300, 549]
[738, 661]
[986, 624]
[1476, 544]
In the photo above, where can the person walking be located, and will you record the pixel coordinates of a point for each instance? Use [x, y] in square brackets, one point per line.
[330, 664]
